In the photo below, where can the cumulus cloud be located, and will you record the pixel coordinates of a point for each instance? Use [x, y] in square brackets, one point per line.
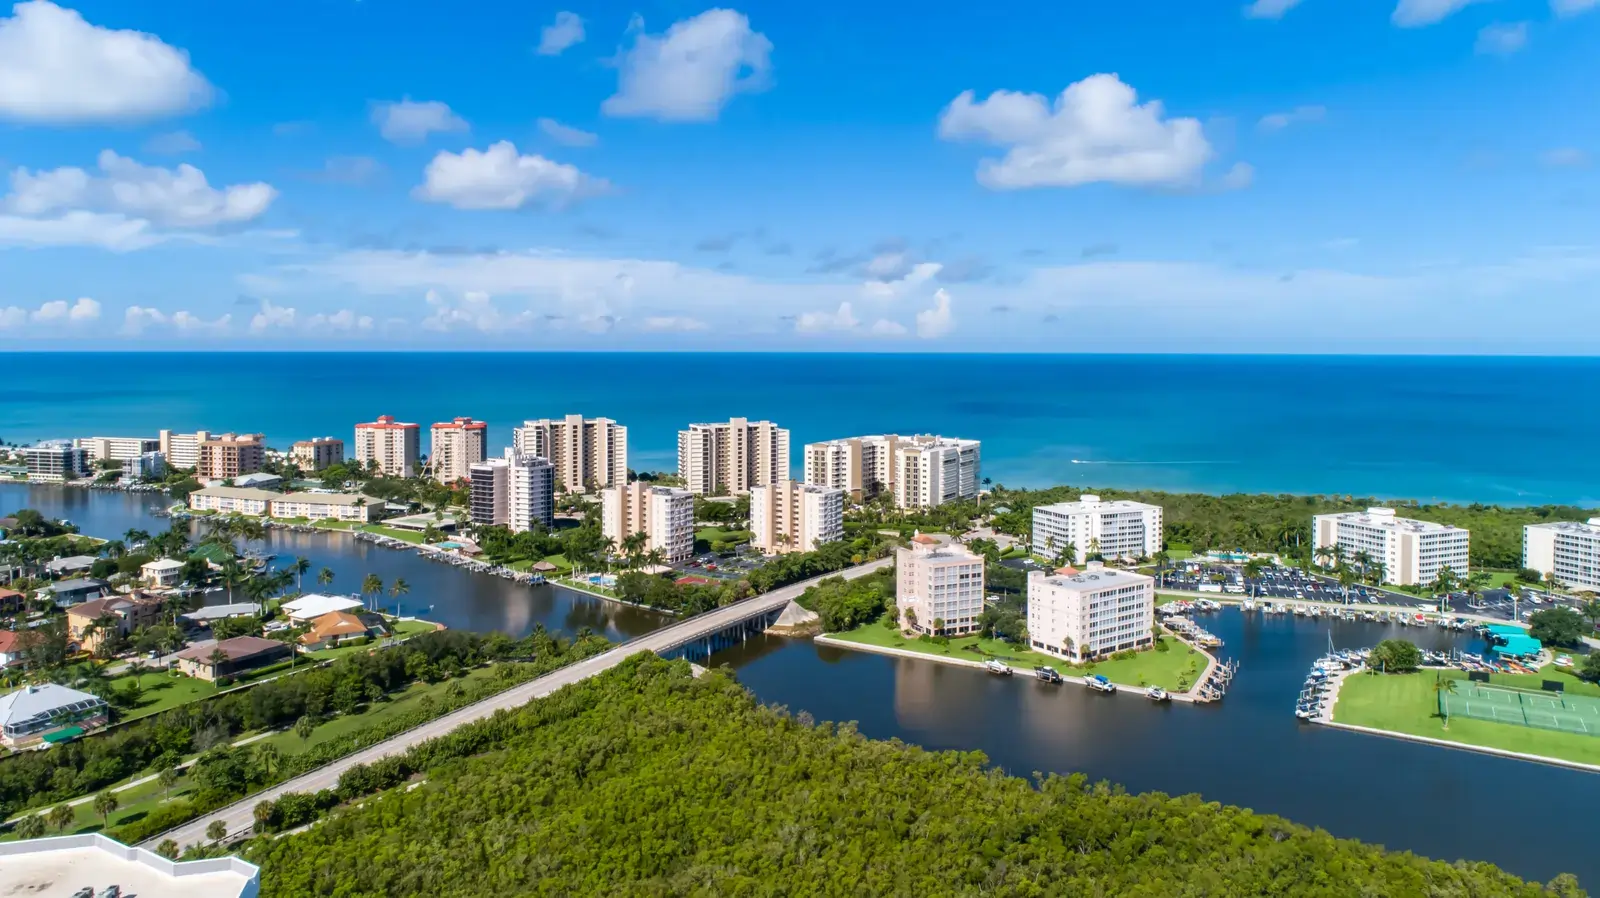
[1501, 39]
[1277, 121]
[564, 32]
[408, 121]
[343, 321]
[174, 143]
[1095, 131]
[567, 136]
[136, 320]
[1572, 7]
[844, 319]
[937, 321]
[177, 198]
[689, 73]
[1240, 176]
[117, 233]
[912, 278]
[1417, 13]
[272, 317]
[500, 178]
[473, 310]
[56, 68]
[1269, 9]
[883, 327]
[57, 311]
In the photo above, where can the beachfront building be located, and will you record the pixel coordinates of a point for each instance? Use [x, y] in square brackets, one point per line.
[182, 450]
[55, 462]
[117, 448]
[229, 455]
[1567, 550]
[1080, 615]
[36, 713]
[1116, 529]
[150, 464]
[316, 454]
[664, 514]
[795, 517]
[458, 444]
[57, 866]
[939, 588]
[919, 471]
[728, 458]
[516, 491]
[1412, 552]
[588, 453]
[391, 445]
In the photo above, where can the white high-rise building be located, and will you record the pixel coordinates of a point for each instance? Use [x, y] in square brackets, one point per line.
[940, 586]
[1412, 552]
[392, 445]
[1117, 529]
[55, 462]
[728, 458]
[1568, 549]
[664, 514]
[182, 450]
[1091, 613]
[795, 517]
[457, 445]
[118, 448]
[920, 471]
[588, 453]
[516, 491]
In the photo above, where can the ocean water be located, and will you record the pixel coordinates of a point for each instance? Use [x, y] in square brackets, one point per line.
[1494, 430]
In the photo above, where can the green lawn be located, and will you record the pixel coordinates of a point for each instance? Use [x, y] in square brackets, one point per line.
[331, 524]
[1405, 703]
[717, 534]
[415, 538]
[162, 691]
[132, 805]
[1150, 667]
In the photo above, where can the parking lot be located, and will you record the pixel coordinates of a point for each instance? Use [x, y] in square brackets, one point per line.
[721, 565]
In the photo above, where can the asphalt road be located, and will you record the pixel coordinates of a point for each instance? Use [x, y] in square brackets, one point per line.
[240, 816]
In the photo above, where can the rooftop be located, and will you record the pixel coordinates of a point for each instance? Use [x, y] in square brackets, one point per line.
[330, 499]
[386, 422]
[40, 700]
[59, 867]
[1386, 519]
[161, 564]
[1089, 501]
[259, 477]
[70, 563]
[1590, 526]
[77, 585]
[1097, 578]
[314, 605]
[238, 492]
[216, 612]
[236, 648]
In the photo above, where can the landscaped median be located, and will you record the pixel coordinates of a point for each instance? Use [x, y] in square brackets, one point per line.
[1408, 705]
[1172, 665]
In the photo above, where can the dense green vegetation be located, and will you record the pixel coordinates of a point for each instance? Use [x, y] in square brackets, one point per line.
[644, 781]
[1282, 523]
[660, 591]
[846, 604]
[1559, 626]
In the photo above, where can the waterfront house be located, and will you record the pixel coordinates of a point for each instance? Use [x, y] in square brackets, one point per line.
[48, 713]
[11, 601]
[14, 646]
[130, 613]
[231, 657]
[163, 572]
[311, 606]
[71, 592]
[337, 627]
[69, 566]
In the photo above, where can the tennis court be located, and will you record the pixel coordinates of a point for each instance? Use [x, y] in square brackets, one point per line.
[1522, 707]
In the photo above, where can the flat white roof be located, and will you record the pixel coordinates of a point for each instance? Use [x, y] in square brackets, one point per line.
[316, 605]
[1386, 519]
[59, 867]
[1100, 578]
[161, 564]
[1088, 502]
[1591, 526]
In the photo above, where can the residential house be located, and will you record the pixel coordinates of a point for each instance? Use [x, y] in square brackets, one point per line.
[336, 627]
[163, 572]
[70, 566]
[14, 645]
[11, 601]
[130, 612]
[231, 657]
[311, 606]
[71, 592]
[48, 713]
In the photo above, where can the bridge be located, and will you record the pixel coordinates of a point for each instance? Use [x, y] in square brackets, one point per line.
[694, 639]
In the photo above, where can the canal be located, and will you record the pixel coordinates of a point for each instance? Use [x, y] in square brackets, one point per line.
[1247, 750]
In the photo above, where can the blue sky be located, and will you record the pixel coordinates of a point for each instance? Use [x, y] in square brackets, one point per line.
[1404, 176]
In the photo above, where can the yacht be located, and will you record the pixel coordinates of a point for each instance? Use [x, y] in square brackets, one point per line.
[996, 666]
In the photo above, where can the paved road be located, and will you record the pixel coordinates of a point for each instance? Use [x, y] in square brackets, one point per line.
[240, 816]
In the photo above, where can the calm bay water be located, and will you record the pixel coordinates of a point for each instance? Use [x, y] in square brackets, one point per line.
[1425, 428]
[1247, 750]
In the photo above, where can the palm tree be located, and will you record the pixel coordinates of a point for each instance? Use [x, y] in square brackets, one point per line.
[265, 757]
[1444, 686]
[263, 815]
[1445, 580]
[1326, 554]
[1252, 571]
[1347, 576]
[60, 817]
[397, 589]
[1551, 584]
[300, 566]
[216, 830]
[324, 576]
[29, 827]
[114, 549]
[372, 584]
[232, 575]
[104, 804]
[167, 778]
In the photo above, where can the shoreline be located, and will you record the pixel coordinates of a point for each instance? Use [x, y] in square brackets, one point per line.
[1464, 746]
[563, 584]
[826, 639]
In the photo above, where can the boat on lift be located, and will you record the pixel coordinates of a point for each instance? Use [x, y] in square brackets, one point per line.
[1157, 694]
[1099, 683]
[1048, 674]
[996, 666]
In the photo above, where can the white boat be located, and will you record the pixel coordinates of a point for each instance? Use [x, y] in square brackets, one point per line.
[996, 666]
[1157, 694]
[1100, 683]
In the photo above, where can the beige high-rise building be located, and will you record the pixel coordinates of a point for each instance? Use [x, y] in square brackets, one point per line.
[230, 455]
[941, 586]
[664, 514]
[314, 455]
[729, 458]
[458, 444]
[392, 445]
[117, 448]
[588, 453]
[182, 450]
[920, 471]
[795, 517]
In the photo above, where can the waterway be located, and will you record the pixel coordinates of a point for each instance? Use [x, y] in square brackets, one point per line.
[1247, 750]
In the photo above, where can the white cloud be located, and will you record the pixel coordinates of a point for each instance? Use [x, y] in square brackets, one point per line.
[174, 143]
[56, 68]
[822, 322]
[1572, 7]
[937, 321]
[56, 311]
[12, 317]
[408, 121]
[689, 73]
[1095, 131]
[1500, 39]
[177, 198]
[564, 32]
[1269, 9]
[117, 233]
[499, 178]
[1417, 13]
[474, 310]
[271, 317]
[1240, 176]
[1277, 121]
[918, 274]
[883, 327]
[343, 321]
[567, 136]
[1565, 157]
[673, 324]
[138, 319]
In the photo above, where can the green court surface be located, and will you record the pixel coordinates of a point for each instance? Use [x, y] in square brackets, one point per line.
[1521, 707]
